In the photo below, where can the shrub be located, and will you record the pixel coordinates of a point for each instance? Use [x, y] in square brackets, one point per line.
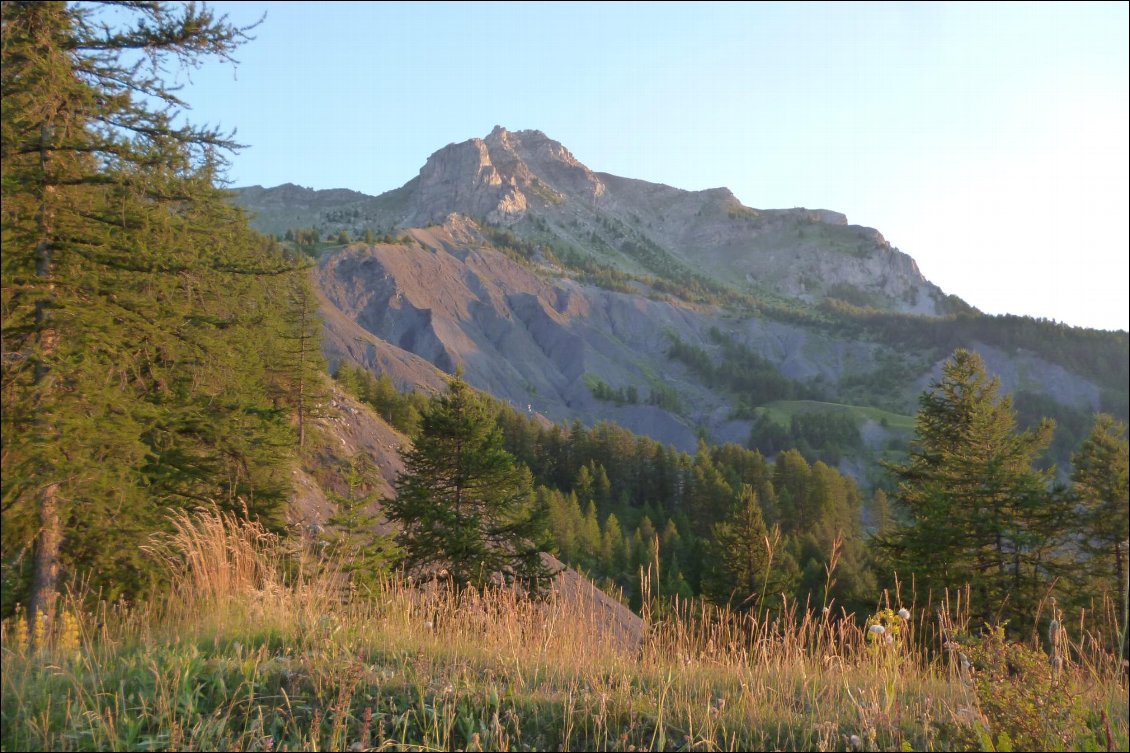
[1025, 700]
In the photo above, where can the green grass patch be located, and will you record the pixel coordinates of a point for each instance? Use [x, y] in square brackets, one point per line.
[782, 412]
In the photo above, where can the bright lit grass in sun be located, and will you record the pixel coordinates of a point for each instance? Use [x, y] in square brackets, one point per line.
[260, 649]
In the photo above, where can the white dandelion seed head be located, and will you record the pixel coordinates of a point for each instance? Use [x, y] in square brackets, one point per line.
[877, 629]
[856, 743]
[904, 613]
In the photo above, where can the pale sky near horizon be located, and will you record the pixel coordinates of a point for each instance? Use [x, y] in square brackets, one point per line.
[988, 141]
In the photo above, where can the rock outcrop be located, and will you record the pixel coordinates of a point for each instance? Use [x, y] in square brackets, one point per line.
[532, 185]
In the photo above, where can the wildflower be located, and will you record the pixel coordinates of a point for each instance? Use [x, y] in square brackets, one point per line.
[877, 630]
[21, 634]
[41, 625]
[904, 613]
[855, 742]
[68, 638]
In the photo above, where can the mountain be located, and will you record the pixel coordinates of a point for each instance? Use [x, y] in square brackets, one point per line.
[534, 186]
[678, 314]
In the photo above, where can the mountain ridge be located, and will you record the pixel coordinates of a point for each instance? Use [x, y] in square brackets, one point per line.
[680, 315]
[533, 186]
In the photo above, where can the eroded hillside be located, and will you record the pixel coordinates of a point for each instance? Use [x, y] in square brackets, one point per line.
[575, 294]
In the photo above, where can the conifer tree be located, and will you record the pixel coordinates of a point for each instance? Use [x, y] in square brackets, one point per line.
[133, 309]
[740, 564]
[612, 557]
[463, 504]
[365, 553]
[298, 362]
[791, 476]
[710, 494]
[1101, 482]
[881, 511]
[979, 513]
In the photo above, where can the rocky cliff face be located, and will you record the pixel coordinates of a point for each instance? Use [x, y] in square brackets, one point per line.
[499, 179]
[536, 188]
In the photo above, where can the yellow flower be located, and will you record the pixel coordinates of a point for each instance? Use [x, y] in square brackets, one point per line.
[69, 636]
[20, 635]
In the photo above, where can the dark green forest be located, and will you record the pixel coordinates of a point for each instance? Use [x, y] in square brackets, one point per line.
[970, 505]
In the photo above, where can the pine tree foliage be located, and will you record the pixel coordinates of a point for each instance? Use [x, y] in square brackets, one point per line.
[741, 555]
[464, 504]
[137, 311]
[297, 367]
[1102, 480]
[979, 513]
[402, 411]
[363, 552]
[594, 479]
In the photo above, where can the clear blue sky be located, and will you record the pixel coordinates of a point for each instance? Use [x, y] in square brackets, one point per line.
[987, 141]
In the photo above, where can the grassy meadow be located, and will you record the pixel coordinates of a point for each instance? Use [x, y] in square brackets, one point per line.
[260, 647]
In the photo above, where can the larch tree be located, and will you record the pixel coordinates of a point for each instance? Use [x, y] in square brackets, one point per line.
[1101, 482]
[462, 502]
[740, 560]
[134, 303]
[978, 511]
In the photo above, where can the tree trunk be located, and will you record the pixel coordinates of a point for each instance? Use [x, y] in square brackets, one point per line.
[48, 541]
[45, 567]
[302, 371]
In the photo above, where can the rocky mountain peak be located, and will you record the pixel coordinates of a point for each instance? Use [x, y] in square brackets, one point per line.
[500, 177]
[534, 186]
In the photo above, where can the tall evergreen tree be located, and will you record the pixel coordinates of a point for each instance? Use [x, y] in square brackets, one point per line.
[298, 365]
[365, 554]
[133, 313]
[463, 504]
[979, 513]
[1101, 481]
[739, 570]
[710, 495]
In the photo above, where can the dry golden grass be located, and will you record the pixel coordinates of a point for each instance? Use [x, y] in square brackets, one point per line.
[261, 646]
